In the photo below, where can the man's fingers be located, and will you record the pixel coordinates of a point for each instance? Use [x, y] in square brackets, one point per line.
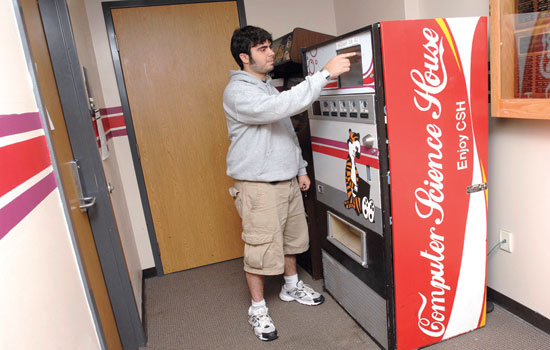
[349, 54]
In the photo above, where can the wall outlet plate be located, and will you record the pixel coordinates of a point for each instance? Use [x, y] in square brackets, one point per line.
[506, 246]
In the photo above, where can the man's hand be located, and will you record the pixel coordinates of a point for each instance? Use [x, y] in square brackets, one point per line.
[304, 182]
[339, 64]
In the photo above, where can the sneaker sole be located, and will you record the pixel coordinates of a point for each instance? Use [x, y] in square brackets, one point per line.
[267, 336]
[318, 301]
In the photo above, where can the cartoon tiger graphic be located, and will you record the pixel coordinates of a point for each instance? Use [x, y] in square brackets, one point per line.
[352, 175]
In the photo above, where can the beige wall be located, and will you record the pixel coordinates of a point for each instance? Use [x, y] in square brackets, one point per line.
[355, 14]
[447, 8]
[42, 300]
[282, 16]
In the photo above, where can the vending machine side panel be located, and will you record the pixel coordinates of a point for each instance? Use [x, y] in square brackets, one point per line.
[436, 102]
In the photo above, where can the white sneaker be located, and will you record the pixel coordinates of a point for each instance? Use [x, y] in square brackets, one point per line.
[302, 293]
[261, 322]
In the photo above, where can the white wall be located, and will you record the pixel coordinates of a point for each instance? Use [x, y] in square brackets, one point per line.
[519, 164]
[448, 8]
[355, 14]
[42, 300]
[282, 16]
[519, 202]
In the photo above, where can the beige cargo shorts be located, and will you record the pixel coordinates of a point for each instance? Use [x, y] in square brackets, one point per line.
[274, 223]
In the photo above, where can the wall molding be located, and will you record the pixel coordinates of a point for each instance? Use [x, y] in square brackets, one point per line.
[519, 310]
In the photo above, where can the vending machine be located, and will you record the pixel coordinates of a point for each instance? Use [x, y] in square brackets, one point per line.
[400, 158]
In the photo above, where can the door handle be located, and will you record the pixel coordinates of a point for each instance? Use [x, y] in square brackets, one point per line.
[476, 188]
[88, 202]
[85, 202]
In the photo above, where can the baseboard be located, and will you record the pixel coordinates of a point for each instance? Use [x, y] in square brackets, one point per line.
[147, 273]
[150, 272]
[519, 310]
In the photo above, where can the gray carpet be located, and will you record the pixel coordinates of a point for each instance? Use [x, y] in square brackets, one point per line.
[206, 308]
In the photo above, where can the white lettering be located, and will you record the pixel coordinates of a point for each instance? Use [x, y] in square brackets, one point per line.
[429, 83]
[429, 198]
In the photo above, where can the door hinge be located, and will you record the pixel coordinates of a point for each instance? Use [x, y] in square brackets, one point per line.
[137, 151]
[476, 188]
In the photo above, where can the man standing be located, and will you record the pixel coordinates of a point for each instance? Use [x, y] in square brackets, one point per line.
[265, 160]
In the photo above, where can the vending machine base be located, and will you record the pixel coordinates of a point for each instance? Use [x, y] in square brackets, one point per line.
[366, 306]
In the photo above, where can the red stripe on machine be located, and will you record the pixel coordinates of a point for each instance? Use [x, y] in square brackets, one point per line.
[372, 162]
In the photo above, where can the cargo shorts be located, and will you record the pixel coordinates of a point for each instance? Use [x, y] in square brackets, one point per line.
[274, 223]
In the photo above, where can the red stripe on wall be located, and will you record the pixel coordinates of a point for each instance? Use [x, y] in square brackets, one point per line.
[115, 122]
[110, 110]
[372, 162]
[21, 161]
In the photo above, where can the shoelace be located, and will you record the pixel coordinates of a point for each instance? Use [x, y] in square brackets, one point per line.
[302, 287]
[262, 317]
[264, 320]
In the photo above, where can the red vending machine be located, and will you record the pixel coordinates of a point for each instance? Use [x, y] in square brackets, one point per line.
[400, 159]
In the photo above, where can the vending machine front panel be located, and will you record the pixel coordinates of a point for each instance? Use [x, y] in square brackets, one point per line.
[401, 174]
[437, 116]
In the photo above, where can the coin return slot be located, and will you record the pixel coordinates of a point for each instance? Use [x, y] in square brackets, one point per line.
[348, 238]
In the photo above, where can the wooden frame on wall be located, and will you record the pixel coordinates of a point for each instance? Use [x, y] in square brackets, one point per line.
[505, 30]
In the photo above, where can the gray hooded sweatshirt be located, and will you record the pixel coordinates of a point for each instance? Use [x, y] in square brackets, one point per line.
[264, 146]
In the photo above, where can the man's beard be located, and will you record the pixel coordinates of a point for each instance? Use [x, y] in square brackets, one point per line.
[264, 71]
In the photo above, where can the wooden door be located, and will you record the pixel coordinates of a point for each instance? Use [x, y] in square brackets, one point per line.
[176, 61]
[63, 154]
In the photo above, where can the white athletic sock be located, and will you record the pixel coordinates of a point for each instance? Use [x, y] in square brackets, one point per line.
[256, 305]
[290, 281]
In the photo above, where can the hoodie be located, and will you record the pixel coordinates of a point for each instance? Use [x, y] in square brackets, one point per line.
[264, 146]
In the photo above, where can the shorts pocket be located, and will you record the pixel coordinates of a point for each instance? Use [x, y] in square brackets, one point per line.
[237, 199]
[255, 248]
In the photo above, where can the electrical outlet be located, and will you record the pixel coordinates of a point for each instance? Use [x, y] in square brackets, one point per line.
[507, 236]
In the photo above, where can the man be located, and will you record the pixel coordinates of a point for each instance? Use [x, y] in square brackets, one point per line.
[266, 162]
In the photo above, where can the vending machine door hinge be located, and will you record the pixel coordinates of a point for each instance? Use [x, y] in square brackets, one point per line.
[476, 188]
[388, 177]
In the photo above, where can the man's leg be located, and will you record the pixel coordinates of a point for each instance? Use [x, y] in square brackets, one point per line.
[296, 241]
[290, 265]
[294, 289]
[258, 315]
[255, 286]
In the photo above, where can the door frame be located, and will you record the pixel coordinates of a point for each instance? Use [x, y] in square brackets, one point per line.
[107, 7]
[25, 43]
[74, 102]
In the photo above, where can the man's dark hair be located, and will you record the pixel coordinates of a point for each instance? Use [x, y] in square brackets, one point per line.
[246, 37]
